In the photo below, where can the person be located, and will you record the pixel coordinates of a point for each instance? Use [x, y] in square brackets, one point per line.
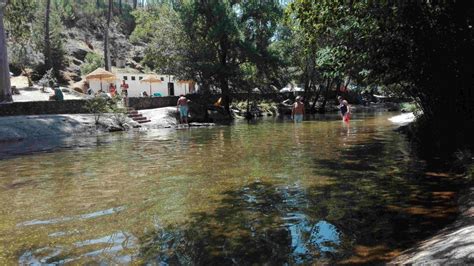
[125, 97]
[182, 107]
[57, 96]
[144, 94]
[123, 86]
[297, 112]
[344, 109]
[112, 90]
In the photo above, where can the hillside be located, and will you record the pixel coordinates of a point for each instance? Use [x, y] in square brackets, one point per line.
[77, 29]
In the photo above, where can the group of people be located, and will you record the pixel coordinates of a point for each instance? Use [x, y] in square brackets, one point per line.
[297, 110]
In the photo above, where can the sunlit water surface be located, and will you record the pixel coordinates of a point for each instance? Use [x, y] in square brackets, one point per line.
[269, 191]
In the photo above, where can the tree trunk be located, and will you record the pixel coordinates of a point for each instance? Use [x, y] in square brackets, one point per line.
[322, 109]
[135, 4]
[223, 79]
[318, 92]
[120, 7]
[5, 87]
[108, 65]
[47, 39]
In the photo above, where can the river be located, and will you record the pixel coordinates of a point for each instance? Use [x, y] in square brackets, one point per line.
[263, 192]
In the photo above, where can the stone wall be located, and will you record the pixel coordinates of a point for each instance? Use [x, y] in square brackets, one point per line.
[150, 103]
[77, 106]
[158, 102]
[43, 107]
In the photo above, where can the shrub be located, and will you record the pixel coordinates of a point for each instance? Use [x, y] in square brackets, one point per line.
[91, 63]
[97, 106]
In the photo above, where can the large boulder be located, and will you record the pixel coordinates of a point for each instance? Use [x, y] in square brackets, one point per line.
[78, 50]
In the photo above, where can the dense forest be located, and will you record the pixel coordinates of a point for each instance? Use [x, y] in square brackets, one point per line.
[415, 49]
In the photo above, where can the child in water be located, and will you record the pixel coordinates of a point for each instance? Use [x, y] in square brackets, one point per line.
[345, 110]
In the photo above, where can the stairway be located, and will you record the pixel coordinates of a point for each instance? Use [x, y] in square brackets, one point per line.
[136, 116]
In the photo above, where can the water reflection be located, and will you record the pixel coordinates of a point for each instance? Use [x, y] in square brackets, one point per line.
[266, 193]
[107, 248]
[259, 223]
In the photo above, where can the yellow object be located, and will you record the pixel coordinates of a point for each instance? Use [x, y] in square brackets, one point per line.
[218, 103]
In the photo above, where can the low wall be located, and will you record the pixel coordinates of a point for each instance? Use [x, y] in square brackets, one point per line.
[43, 108]
[158, 102]
[77, 106]
[150, 103]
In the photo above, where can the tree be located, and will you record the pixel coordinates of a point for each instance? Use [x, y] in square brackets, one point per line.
[5, 89]
[161, 28]
[19, 17]
[91, 63]
[213, 29]
[108, 65]
[417, 47]
[49, 40]
[47, 37]
[259, 21]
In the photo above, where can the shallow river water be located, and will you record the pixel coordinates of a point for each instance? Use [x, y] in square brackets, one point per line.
[269, 191]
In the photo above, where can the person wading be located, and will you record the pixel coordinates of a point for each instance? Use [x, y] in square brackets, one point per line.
[297, 112]
[182, 107]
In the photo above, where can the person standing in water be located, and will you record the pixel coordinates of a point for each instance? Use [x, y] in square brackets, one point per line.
[297, 112]
[344, 109]
[182, 107]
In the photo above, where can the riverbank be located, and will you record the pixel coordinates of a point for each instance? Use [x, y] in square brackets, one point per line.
[17, 128]
[453, 244]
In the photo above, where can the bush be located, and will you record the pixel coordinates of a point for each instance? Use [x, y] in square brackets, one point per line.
[91, 63]
[97, 106]
[409, 107]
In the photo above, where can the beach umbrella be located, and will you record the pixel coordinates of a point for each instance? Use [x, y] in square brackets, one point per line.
[151, 79]
[101, 74]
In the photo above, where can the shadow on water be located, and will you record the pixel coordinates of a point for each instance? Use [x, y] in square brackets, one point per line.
[259, 223]
[368, 214]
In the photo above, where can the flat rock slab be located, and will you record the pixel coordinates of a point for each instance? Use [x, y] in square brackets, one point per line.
[452, 246]
[182, 126]
[195, 124]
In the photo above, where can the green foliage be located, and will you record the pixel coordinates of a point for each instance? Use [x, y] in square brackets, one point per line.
[19, 15]
[409, 107]
[161, 27]
[418, 48]
[55, 37]
[66, 10]
[91, 63]
[18, 19]
[97, 106]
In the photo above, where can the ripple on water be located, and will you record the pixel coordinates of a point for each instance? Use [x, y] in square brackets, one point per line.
[73, 218]
[108, 248]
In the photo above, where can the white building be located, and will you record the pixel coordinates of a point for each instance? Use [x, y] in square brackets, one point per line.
[168, 86]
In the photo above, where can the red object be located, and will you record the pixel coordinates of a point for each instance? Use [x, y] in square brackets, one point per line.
[347, 117]
[124, 86]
